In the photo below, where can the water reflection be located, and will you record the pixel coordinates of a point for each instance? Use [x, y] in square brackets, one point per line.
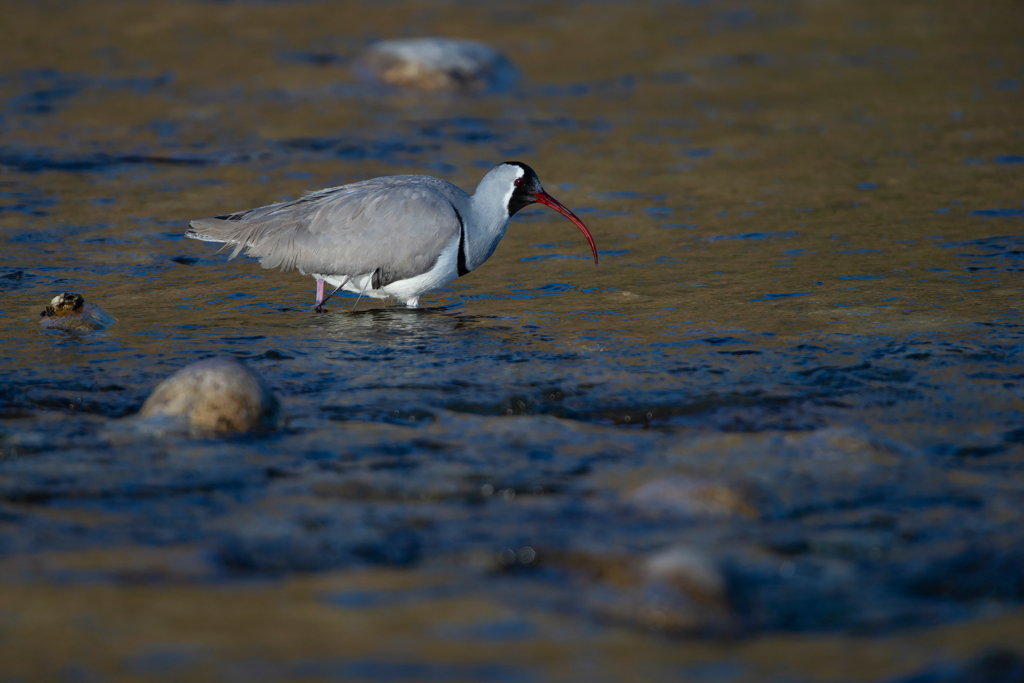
[345, 322]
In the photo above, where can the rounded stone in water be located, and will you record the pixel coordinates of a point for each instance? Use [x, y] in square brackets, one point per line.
[437, 64]
[218, 395]
[69, 311]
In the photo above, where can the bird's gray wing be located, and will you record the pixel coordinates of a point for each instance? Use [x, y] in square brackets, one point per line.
[399, 224]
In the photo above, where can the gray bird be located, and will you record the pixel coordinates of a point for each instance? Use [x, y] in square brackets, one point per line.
[396, 236]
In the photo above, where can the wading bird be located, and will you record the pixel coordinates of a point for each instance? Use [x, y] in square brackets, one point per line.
[395, 236]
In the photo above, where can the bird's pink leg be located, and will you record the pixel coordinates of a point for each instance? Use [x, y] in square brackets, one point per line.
[319, 295]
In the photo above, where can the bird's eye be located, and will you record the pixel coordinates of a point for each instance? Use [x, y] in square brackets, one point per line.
[517, 182]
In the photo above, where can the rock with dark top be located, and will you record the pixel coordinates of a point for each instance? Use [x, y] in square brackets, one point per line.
[217, 395]
[437, 64]
[68, 311]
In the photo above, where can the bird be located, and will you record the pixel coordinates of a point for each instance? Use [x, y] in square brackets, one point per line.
[396, 237]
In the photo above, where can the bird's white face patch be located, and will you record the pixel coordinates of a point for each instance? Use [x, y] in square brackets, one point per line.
[512, 186]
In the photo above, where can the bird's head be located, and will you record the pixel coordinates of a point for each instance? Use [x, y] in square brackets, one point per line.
[524, 188]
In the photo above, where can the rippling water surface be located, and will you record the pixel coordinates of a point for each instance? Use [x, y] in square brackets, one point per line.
[776, 435]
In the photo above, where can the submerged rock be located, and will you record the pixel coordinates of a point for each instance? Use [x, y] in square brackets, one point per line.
[68, 311]
[218, 395]
[699, 497]
[437, 64]
[679, 590]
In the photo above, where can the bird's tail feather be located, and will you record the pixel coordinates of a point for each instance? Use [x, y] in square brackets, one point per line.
[205, 230]
[225, 232]
[243, 235]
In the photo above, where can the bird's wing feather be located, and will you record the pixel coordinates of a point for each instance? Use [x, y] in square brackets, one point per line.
[399, 224]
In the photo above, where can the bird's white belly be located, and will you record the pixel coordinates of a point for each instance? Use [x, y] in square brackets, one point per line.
[411, 289]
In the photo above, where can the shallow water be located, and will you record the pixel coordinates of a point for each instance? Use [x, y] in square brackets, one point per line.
[794, 379]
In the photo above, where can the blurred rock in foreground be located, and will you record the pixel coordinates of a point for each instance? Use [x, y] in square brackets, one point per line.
[690, 571]
[217, 395]
[437, 64]
[69, 311]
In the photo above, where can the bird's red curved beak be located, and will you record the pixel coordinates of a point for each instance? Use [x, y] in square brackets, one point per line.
[547, 200]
